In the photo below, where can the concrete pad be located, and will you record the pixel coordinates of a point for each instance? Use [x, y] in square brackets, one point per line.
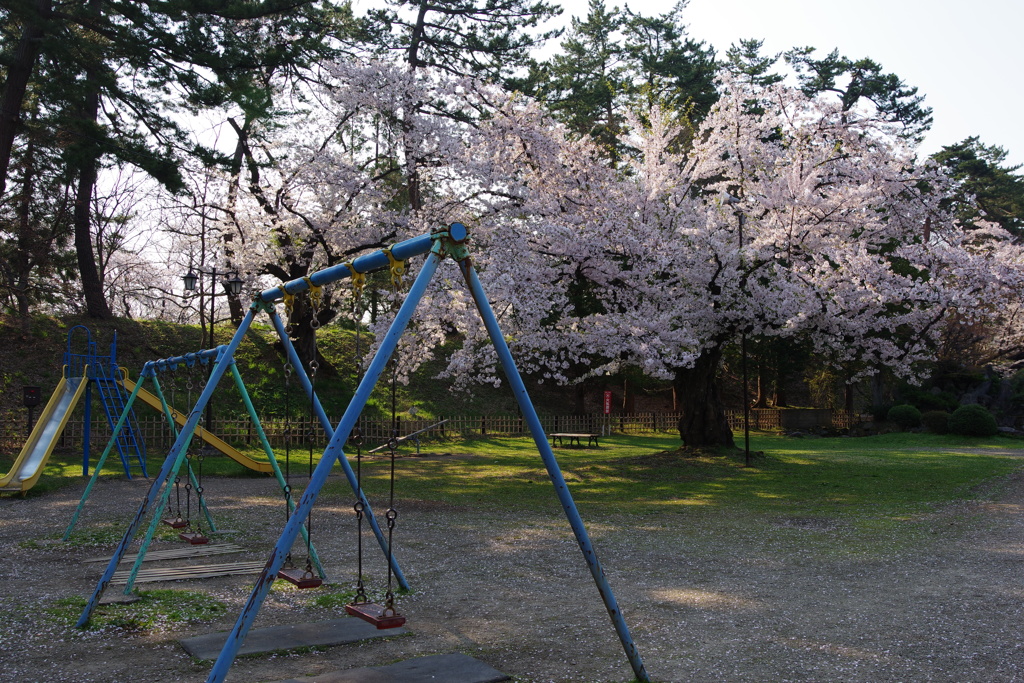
[289, 637]
[454, 668]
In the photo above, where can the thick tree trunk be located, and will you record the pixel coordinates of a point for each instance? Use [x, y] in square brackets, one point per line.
[412, 161]
[19, 73]
[580, 398]
[781, 399]
[26, 239]
[761, 397]
[703, 422]
[92, 285]
[235, 307]
[303, 336]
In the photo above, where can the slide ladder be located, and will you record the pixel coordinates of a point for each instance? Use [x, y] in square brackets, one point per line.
[102, 371]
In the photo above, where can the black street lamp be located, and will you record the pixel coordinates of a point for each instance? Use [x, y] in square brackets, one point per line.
[734, 201]
[233, 286]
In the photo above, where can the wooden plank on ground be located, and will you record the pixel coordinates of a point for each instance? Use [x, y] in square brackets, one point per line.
[431, 669]
[177, 553]
[290, 636]
[200, 571]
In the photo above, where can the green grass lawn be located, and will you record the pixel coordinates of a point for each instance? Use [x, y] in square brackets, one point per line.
[884, 476]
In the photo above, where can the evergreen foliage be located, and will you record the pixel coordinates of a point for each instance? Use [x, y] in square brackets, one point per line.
[987, 189]
[973, 420]
[862, 79]
[904, 416]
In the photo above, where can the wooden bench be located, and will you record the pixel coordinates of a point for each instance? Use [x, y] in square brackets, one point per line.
[560, 438]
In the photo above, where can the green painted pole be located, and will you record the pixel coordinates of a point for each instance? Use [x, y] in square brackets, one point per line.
[313, 556]
[191, 475]
[106, 452]
[165, 495]
[180, 446]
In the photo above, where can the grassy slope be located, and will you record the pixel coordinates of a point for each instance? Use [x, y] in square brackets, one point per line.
[35, 358]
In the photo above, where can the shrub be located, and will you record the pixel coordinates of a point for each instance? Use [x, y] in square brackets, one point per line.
[936, 421]
[973, 420]
[904, 416]
[929, 399]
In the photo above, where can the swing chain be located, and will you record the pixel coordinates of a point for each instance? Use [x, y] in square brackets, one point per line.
[287, 488]
[199, 491]
[188, 491]
[316, 298]
[289, 308]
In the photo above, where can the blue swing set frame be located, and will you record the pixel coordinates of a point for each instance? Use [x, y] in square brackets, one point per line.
[441, 243]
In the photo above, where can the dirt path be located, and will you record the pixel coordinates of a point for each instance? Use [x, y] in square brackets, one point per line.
[709, 597]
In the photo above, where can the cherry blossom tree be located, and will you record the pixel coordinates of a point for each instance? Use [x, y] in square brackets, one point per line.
[802, 220]
[792, 219]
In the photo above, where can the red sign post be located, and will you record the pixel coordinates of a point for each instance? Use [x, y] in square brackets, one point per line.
[607, 403]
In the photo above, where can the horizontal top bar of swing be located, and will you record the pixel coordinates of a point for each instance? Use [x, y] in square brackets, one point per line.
[364, 264]
[188, 360]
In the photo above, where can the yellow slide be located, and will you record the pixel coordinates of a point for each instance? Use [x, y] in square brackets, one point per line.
[36, 451]
[206, 436]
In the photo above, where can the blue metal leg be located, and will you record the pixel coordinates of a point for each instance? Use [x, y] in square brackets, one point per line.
[554, 471]
[320, 474]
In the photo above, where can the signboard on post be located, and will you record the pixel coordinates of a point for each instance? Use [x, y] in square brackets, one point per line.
[607, 403]
[31, 397]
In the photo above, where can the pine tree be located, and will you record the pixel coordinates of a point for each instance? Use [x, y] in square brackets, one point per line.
[987, 189]
[746, 62]
[893, 99]
[120, 75]
[587, 79]
[666, 67]
[488, 39]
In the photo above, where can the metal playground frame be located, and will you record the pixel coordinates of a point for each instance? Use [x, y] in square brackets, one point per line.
[444, 242]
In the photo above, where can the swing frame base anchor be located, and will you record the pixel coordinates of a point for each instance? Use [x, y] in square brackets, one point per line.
[300, 577]
[378, 615]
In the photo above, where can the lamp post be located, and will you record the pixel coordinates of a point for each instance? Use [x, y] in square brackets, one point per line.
[233, 286]
[734, 201]
[743, 364]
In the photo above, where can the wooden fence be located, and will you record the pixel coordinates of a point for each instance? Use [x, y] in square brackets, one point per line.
[241, 432]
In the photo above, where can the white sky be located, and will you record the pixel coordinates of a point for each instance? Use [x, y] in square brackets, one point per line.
[963, 56]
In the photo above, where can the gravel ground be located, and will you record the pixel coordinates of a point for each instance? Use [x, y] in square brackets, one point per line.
[709, 596]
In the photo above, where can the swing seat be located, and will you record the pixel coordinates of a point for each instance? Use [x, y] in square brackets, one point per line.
[375, 614]
[175, 522]
[195, 538]
[300, 577]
